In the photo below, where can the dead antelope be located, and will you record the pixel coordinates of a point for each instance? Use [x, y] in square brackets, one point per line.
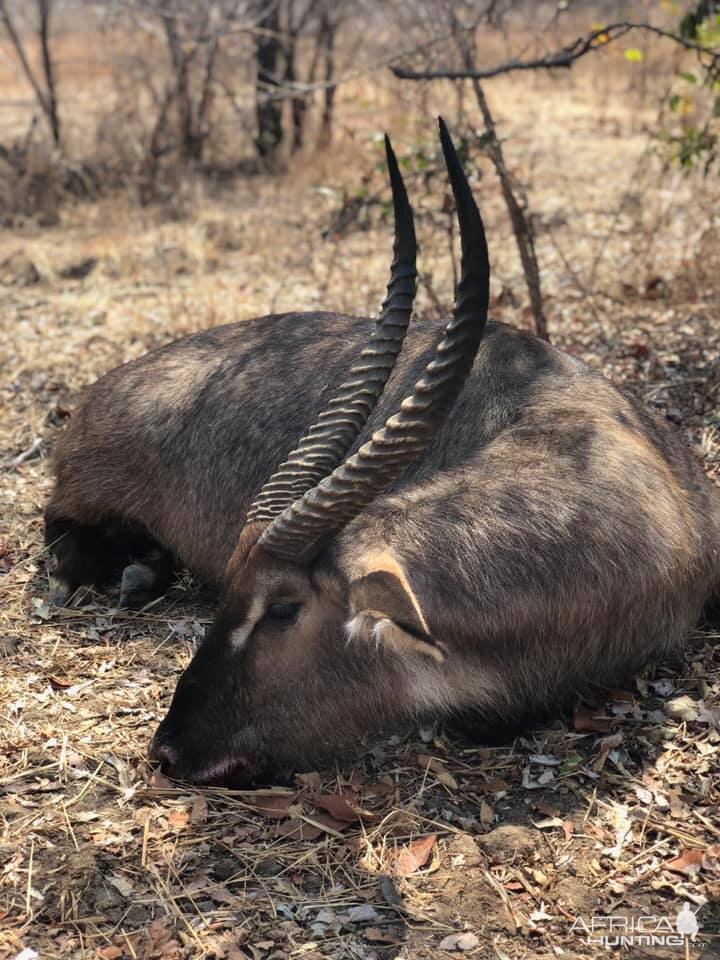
[496, 529]
[492, 546]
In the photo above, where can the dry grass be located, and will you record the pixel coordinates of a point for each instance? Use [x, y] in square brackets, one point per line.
[101, 858]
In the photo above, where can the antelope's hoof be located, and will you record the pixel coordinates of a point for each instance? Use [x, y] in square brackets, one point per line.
[136, 586]
[60, 592]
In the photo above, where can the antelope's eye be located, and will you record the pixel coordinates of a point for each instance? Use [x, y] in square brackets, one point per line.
[282, 611]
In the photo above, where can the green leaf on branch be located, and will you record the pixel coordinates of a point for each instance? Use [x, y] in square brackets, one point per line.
[634, 55]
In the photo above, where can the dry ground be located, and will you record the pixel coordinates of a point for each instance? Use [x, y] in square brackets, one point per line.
[422, 838]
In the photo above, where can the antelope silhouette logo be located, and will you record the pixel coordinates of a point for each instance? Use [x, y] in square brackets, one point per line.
[686, 923]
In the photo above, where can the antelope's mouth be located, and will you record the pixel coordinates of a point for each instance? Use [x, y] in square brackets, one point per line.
[233, 772]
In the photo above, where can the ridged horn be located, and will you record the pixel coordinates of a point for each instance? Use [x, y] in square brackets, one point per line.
[300, 531]
[327, 442]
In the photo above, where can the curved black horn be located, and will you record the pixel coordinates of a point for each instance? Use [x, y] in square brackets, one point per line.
[299, 532]
[327, 442]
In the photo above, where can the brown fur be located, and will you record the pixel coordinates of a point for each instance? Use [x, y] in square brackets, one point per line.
[554, 537]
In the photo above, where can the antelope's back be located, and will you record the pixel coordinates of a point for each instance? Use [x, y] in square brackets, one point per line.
[181, 439]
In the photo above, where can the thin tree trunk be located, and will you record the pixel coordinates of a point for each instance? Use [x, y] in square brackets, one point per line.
[517, 209]
[44, 7]
[148, 181]
[269, 112]
[298, 104]
[47, 99]
[203, 109]
[326, 123]
[180, 60]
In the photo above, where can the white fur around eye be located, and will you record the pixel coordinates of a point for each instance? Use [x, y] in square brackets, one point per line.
[239, 636]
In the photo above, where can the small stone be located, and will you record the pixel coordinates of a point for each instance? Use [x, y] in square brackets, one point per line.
[459, 941]
[363, 914]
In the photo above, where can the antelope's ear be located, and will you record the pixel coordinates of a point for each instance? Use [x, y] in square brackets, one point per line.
[386, 610]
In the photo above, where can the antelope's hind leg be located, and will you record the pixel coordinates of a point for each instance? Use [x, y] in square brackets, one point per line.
[101, 557]
[81, 556]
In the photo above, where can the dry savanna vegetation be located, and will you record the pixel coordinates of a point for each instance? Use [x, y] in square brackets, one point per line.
[425, 845]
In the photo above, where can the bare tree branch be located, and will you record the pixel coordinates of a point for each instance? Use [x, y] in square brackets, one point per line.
[563, 58]
[44, 7]
[513, 193]
[47, 98]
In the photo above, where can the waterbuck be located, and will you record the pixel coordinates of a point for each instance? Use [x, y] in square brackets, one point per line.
[492, 544]
[496, 529]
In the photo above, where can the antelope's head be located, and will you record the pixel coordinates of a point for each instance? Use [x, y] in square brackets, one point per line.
[320, 639]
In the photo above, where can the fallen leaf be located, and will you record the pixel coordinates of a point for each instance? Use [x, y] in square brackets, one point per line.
[220, 894]
[530, 783]
[688, 863]
[376, 935]
[413, 857]
[459, 941]
[297, 830]
[708, 714]
[594, 830]
[378, 789]
[678, 809]
[339, 807]
[123, 886]
[588, 721]
[356, 781]
[179, 819]
[486, 814]
[330, 823]
[547, 822]
[682, 708]
[606, 745]
[199, 810]
[274, 808]
[85, 816]
[310, 780]
[494, 786]
[60, 683]
[568, 829]
[426, 762]
[302, 830]
[197, 885]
